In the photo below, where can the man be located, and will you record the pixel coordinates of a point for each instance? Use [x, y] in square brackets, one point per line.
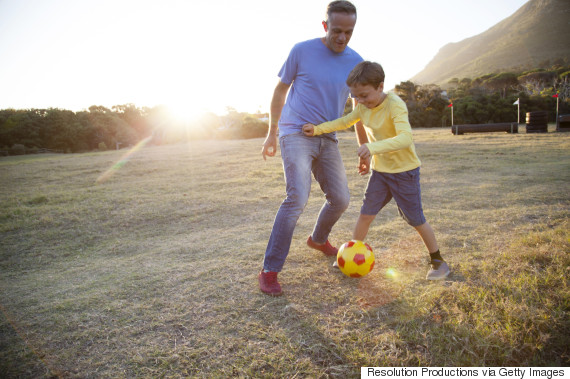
[314, 77]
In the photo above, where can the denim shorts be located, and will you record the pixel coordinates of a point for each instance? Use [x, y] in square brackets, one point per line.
[404, 187]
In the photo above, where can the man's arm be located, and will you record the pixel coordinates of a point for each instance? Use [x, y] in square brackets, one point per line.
[361, 138]
[277, 102]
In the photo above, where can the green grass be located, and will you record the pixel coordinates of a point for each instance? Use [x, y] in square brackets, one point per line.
[153, 273]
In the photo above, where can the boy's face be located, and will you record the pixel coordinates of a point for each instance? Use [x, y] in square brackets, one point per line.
[367, 95]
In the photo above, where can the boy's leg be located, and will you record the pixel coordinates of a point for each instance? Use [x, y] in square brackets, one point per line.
[428, 236]
[329, 172]
[407, 192]
[362, 226]
[376, 196]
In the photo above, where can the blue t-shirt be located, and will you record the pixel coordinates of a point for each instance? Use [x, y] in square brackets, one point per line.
[319, 89]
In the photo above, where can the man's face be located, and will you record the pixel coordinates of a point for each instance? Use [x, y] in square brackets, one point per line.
[339, 29]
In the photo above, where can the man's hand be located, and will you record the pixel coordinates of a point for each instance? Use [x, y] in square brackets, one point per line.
[363, 152]
[269, 146]
[363, 166]
[309, 130]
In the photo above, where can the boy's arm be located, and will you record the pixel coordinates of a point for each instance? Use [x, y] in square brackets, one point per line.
[277, 102]
[338, 124]
[403, 138]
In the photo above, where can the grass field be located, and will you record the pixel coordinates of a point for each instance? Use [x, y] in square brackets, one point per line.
[153, 272]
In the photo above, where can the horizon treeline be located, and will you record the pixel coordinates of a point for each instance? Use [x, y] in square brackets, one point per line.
[486, 99]
[57, 130]
[489, 98]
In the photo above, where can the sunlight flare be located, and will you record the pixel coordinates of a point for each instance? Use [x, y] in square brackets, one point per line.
[391, 273]
[124, 159]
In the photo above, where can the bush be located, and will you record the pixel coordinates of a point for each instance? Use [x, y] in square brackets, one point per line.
[102, 146]
[252, 128]
[18, 149]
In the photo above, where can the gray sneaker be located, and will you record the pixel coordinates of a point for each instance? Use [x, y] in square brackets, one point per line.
[439, 270]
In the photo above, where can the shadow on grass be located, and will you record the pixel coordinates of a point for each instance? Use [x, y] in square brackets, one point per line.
[17, 357]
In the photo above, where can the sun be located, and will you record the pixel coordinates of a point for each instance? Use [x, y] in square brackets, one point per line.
[182, 120]
[183, 113]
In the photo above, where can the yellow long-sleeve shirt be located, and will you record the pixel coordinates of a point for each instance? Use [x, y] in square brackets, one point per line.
[389, 133]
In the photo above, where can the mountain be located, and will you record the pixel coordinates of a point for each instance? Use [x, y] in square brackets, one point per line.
[538, 32]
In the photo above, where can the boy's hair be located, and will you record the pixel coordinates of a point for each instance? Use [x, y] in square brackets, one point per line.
[341, 6]
[364, 73]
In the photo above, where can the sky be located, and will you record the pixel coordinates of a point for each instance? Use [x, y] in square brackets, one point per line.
[197, 56]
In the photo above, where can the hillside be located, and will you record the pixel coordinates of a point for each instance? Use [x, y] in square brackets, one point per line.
[537, 32]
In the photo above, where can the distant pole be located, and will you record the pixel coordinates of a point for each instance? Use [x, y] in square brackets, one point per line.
[451, 106]
[518, 103]
[556, 96]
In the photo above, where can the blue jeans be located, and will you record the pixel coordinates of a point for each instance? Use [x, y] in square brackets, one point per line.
[302, 155]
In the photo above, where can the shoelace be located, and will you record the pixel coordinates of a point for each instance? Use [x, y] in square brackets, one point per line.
[435, 263]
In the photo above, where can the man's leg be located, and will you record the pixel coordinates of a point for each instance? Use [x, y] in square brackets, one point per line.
[297, 152]
[329, 172]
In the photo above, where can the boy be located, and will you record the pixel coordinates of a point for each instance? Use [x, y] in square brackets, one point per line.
[395, 165]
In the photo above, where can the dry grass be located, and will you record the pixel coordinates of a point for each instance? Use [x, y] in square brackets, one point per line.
[153, 273]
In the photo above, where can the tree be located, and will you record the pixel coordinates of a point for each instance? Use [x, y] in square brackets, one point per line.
[502, 82]
[535, 82]
[135, 117]
[406, 91]
[110, 128]
[60, 130]
[8, 123]
[453, 81]
[426, 104]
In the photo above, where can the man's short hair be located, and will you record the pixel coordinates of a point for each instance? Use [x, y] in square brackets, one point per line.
[364, 73]
[341, 6]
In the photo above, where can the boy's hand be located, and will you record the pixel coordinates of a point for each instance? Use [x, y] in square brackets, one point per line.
[363, 166]
[309, 130]
[364, 153]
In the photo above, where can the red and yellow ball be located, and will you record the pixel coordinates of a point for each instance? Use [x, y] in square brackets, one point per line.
[355, 259]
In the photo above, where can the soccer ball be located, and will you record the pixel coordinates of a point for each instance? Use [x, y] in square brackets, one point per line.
[355, 259]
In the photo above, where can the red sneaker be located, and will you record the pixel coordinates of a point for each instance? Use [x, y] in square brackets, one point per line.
[326, 247]
[268, 283]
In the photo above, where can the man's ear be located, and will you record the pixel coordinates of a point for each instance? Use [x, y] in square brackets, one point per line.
[325, 26]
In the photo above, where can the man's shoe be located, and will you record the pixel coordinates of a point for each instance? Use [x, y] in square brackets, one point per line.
[268, 283]
[326, 247]
[439, 270]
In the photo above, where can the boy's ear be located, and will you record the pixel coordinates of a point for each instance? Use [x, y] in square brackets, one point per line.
[381, 86]
[325, 26]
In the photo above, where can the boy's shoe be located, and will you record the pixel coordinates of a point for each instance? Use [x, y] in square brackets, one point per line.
[439, 270]
[335, 264]
[326, 247]
[268, 283]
